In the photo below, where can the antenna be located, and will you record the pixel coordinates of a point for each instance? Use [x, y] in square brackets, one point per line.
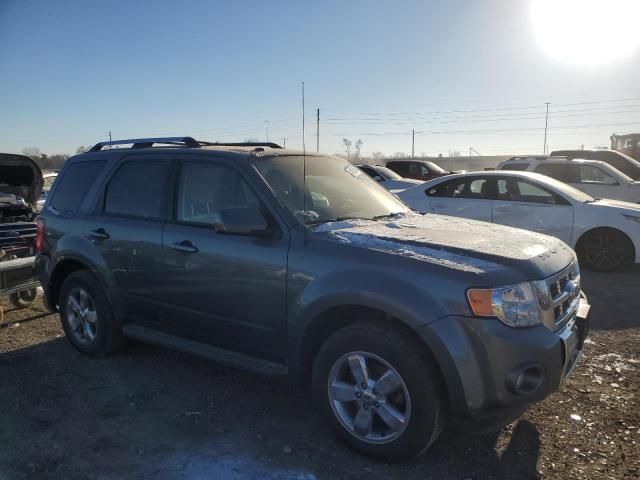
[304, 160]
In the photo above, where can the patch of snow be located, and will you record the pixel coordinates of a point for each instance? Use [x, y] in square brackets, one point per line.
[435, 239]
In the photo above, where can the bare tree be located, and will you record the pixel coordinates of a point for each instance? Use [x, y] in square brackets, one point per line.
[32, 152]
[82, 149]
[347, 147]
[400, 155]
[377, 156]
[358, 146]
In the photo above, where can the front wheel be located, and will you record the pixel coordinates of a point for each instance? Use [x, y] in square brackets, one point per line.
[379, 391]
[605, 250]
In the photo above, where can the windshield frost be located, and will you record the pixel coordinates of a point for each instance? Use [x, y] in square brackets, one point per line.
[335, 189]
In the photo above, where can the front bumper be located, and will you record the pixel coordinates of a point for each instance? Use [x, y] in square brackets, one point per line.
[494, 372]
[17, 275]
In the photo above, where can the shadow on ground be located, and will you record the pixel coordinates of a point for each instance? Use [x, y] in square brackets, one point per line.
[148, 412]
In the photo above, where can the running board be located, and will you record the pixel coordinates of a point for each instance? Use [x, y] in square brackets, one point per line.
[206, 351]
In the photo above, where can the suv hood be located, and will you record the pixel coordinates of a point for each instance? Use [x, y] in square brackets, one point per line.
[632, 208]
[20, 176]
[453, 242]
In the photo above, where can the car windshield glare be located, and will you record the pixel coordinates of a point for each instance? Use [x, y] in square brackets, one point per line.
[335, 189]
[388, 173]
[435, 168]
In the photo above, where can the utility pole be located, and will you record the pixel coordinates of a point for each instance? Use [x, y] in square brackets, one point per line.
[266, 126]
[546, 123]
[318, 130]
[110, 146]
[284, 143]
[413, 142]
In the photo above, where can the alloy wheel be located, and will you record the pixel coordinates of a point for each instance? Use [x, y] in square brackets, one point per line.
[82, 316]
[369, 397]
[605, 251]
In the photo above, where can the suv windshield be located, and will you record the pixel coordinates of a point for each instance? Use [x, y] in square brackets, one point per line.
[387, 172]
[433, 167]
[335, 189]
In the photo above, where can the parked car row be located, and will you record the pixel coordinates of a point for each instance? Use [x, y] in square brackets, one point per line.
[304, 266]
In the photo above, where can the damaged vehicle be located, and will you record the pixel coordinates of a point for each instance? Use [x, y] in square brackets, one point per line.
[302, 266]
[20, 186]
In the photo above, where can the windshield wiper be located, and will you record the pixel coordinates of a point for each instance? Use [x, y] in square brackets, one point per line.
[380, 217]
[336, 219]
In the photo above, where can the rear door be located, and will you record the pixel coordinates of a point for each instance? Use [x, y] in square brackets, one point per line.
[126, 228]
[220, 288]
[528, 205]
[467, 197]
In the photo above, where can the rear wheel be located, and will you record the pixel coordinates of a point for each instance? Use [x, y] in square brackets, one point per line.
[86, 315]
[379, 391]
[605, 250]
[24, 298]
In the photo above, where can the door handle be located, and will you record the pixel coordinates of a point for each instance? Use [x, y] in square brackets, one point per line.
[438, 205]
[184, 246]
[504, 209]
[98, 234]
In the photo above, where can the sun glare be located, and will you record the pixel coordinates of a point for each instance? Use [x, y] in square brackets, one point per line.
[587, 32]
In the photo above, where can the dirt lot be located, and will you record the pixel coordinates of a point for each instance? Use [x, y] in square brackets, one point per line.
[152, 413]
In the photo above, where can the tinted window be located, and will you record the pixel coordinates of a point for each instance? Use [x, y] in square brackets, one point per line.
[137, 189]
[514, 190]
[591, 174]
[74, 183]
[515, 166]
[461, 188]
[372, 173]
[401, 168]
[565, 172]
[206, 188]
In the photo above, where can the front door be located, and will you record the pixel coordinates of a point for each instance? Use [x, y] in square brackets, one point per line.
[527, 205]
[126, 229]
[221, 288]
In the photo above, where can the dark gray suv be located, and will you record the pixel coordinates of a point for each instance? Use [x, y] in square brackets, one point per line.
[302, 266]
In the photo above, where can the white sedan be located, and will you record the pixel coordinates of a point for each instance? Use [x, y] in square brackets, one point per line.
[388, 178]
[604, 233]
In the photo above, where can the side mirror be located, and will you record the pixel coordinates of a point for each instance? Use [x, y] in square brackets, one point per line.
[378, 178]
[243, 221]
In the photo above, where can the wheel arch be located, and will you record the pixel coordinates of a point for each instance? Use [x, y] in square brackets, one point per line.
[334, 318]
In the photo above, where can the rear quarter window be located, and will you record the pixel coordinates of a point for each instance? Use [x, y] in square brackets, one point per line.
[73, 184]
[519, 167]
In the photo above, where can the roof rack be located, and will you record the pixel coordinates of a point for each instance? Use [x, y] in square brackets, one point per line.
[177, 141]
[240, 144]
[538, 157]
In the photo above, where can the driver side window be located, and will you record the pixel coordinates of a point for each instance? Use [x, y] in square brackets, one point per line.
[206, 188]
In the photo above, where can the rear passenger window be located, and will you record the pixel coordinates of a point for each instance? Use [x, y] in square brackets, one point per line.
[206, 188]
[565, 172]
[461, 188]
[137, 189]
[519, 167]
[74, 183]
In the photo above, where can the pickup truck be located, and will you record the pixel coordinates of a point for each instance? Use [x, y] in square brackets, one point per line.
[20, 186]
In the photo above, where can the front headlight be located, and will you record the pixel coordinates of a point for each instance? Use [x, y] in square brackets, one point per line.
[515, 305]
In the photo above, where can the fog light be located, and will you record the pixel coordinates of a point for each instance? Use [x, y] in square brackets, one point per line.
[525, 380]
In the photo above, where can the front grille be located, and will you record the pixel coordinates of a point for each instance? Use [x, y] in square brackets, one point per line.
[564, 294]
[19, 237]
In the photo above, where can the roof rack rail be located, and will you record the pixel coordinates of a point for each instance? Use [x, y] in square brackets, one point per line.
[178, 141]
[149, 142]
[240, 144]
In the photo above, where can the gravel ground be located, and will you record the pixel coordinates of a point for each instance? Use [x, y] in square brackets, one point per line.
[152, 413]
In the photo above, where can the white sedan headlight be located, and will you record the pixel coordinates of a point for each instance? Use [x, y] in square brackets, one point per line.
[516, 305]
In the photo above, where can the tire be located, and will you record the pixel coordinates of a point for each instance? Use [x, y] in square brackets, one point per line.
[24, 298]
[94, 333]
[387, 353]
[605, 250]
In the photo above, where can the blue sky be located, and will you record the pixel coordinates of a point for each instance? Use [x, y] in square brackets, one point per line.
[461, 73]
